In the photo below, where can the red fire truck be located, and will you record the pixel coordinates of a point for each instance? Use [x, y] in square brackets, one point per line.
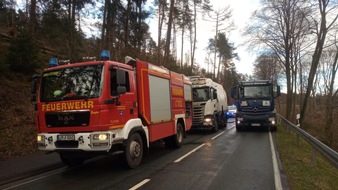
[94, 107]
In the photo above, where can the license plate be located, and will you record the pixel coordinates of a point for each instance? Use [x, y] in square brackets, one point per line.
[255, 124]
[66, 137]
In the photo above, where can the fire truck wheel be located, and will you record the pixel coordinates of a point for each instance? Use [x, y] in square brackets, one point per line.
[72, 158]
[178, 138]
[134, 150]
[175, 141]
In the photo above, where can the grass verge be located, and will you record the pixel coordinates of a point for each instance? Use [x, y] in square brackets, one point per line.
[297, 164]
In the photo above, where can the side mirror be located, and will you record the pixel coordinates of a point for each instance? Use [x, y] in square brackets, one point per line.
[234, 92]
[214, 95]
[121, 90]
[34, 87]
[121, 77]
[277, 92]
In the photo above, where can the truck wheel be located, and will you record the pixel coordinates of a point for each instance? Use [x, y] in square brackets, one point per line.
[273, 128]
[238, 128]
[72, 159]
[215, 123]
[176, 140]
[134, 150]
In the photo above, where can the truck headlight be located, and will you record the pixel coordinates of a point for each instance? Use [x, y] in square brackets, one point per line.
[207, 119]
[100, 140]
[272, 120]
[100, 137]
[40, 138]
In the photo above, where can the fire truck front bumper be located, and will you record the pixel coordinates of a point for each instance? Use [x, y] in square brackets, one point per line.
[95, 141]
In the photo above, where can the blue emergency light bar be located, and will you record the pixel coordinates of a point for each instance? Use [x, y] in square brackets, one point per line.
[53, 62]
[105, 55]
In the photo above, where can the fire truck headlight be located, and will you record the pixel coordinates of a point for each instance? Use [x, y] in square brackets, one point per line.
[100, 137]
[40, 138]
[100, 140]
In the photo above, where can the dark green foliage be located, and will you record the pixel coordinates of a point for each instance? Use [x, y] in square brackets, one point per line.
[23, 54]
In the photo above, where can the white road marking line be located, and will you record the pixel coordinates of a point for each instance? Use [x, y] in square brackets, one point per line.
[140, 184]
[217, 136]
[57, 171]
[187, 154]
[278, 184]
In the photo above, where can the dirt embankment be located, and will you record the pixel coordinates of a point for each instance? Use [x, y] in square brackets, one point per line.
[17, 126]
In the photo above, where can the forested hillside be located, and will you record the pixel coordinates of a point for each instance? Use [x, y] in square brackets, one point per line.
[296, 43]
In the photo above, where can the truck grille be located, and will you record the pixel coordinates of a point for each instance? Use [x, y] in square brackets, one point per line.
[255, 109]
[198, 114]
[67, 119]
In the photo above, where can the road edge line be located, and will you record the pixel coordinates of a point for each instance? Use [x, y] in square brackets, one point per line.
[278, 183]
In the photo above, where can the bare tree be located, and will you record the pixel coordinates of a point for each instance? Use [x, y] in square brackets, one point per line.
[278, 28]
[168, 38]
[266, 67]
[328, 70]
[218, 17]
[321, 28]
[198, 5]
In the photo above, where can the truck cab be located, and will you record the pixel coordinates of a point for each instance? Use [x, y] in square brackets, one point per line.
[255, 104]
[209, 104]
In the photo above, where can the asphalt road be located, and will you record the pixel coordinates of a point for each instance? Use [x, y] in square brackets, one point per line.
[223, 160]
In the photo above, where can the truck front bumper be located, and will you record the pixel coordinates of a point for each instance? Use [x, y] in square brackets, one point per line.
[93, 141]
[206, 123]
[256, 121]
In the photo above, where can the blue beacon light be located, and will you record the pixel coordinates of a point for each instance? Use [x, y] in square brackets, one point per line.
[52, 62]
[105, 55]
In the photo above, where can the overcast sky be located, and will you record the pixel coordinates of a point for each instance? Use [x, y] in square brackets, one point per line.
[242, 10]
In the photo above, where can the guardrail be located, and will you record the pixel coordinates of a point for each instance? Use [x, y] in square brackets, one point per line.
[327, 152]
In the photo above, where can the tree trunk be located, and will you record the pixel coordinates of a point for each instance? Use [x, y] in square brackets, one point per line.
[329, 104]
[161, 15]
[182, 47]
[168, 39]
[194, 42]
[32, 18]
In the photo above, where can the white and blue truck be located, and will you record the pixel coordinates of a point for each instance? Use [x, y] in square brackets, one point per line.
[255, 102]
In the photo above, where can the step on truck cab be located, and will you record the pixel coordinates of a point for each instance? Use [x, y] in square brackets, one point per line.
[106, 107]
[209, 104]
[255, 104]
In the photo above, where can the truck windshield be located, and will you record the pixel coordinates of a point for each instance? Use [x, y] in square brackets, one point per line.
[72, 83]
[257, 92]
[201, 94]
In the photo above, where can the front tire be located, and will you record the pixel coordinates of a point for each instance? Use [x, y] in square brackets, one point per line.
[134, 150]
[215, 123]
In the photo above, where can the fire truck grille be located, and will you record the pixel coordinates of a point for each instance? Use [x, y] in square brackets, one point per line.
[198, 115]
[67, 119]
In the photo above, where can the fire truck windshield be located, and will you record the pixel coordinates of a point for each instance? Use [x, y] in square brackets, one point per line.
[80, 82]
[201, 94]
[256, 92]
